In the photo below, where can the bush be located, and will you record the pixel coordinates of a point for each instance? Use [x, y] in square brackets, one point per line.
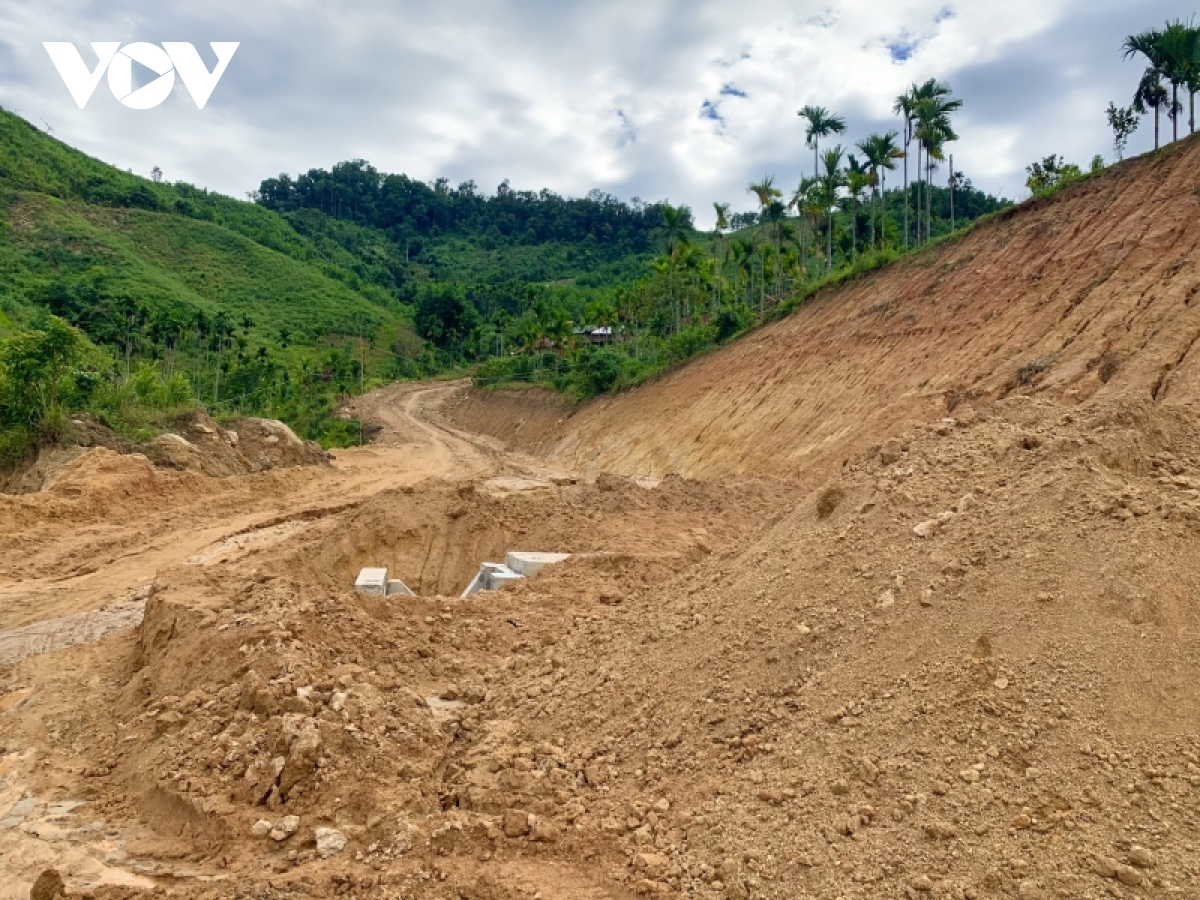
[732, 321]
[598, 371]
[36, 366]
[687, 342]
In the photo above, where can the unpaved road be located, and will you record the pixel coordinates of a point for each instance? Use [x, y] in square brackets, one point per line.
[71, 565]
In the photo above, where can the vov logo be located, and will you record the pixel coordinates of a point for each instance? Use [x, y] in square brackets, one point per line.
[165, 61]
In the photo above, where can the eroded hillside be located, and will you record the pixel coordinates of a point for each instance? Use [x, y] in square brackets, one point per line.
[1089, 294]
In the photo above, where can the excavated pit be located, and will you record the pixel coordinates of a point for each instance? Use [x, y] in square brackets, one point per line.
[434, 537]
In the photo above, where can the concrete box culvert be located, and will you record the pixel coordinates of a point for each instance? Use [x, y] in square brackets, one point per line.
[374, 580]
[517, 565]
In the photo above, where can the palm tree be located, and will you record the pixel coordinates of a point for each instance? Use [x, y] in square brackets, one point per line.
[859, 178]
[719, 228]
[881, 152]
[1177, 46]
[1173, 54]
[802, 202]
[932, 112]
[821, 123]
[767, 193]
[1150, 94]
[743, 254]
[1150, 91]
[675, 229]
[832, 180]
[776, 214]
[906, 107]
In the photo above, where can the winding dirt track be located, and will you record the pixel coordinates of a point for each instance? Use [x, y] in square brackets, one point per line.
[66, 561]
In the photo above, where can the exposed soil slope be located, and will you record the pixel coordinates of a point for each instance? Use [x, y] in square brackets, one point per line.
[1090, 293]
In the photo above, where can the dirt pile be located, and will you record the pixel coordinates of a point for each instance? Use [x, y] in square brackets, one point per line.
[966, 667]
[195, 443]
[1090, 293]
[198, 444]
[268, 713]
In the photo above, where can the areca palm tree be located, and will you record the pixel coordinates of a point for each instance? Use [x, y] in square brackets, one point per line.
[881, 151]
[1172, 52]
[934, 106]
[743, 253]
[719, 228]
[859, 178]
[1179, 56]
[802, 203]
[767, 193]
[821, 123]
[906, 108]
[1151, 94]
[831, 181]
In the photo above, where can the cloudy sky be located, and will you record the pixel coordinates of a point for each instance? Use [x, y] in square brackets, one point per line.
[686, 100]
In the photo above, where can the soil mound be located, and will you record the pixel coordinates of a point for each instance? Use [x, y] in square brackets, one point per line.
[198, 444]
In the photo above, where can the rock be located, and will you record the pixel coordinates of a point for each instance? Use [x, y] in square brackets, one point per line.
[167, 721]
[297, 705]
[1105, 866]
[654, 865]
[886, 599]
[1143, 858]
[261, 828]
[927, 529]
[965, 504]
[260, 778]
[921, 883]
[330, 841]
[516, 823]
[868, 771]
[544, 831]
[1129, 876]
[287, 826]
[301, 760]
[1021, 822]
[941, 831]
[49, 886]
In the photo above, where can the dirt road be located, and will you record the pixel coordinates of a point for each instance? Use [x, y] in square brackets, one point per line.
[70, 551]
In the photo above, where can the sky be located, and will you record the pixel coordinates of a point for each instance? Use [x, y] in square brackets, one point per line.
[680, 100]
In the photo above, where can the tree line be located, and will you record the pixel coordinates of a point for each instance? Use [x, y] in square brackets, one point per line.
[411, 211]
[1172, 58]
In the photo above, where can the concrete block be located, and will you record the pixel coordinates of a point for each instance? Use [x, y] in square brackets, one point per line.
[396, 586]
[372, 581]
[529, 564]
[498, 578]
[491, 577]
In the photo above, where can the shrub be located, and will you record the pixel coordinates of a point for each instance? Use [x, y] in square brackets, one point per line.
[598, 371]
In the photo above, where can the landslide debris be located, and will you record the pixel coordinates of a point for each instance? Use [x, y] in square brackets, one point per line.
[967, 667]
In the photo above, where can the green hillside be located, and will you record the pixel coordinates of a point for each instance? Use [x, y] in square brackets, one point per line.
[179, 297]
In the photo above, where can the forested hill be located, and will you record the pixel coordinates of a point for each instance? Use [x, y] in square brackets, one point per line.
[412, 211]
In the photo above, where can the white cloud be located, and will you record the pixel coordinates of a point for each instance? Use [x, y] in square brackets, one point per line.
[573, 96]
